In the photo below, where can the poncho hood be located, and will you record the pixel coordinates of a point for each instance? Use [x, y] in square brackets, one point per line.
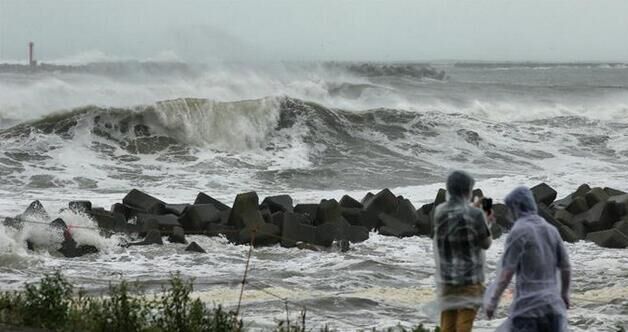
[521, 202]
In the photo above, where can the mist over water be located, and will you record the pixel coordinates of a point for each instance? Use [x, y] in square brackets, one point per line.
[313, 130]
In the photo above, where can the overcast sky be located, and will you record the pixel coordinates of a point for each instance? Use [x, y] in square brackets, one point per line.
[391, 30]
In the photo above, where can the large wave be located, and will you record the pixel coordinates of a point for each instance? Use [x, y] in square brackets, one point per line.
[300, 142]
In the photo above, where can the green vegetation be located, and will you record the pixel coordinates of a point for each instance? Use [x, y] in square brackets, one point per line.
[53, 305]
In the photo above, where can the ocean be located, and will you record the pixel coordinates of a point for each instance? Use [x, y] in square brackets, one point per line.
[314, 131]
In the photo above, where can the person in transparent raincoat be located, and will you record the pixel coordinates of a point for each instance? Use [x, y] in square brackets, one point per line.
[534, 253]
[461, 234]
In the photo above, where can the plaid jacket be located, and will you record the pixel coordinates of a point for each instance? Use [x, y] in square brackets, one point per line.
[458, 231]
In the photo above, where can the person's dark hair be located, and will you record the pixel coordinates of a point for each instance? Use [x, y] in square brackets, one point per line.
[459, 184]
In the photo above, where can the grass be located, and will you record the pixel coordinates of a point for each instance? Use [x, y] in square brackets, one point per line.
[53, 304]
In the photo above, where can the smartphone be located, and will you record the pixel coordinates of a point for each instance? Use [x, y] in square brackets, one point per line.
[487, 204]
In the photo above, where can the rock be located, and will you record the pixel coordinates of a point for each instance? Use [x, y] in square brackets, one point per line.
[152, 237]
[546, 213]
[503, 217]
[611, 238]
[163, 223]
[59, 224]
[143, 202]
[353, 215]
[563, 220]
[280, 203]
[563, 216]
[329, 211]
[35, 210]
[266, 215]
[577, 205]
[12, 222]
[567, 219]
[195, 247]
[128, 212]
[543, 193]
[622, 226]
[359, 217]
[245, 211]
[196, 217]
[68, 243]
[261, 234]
[367, 198]
[406, 212]
[621, 202]
[307, 209]
[80, 206]
[358, 234]
[383, 202]
[203, 198]
[177, 235]
[580, 192]
[579, 229]
[424, 224]
[176, 209]
[327, 233]
[349, 202]
[595, 196]
[613, 192]
[567, 234]
[496, 231]
[220, 229]
[224, 216]
[70, 249]
[109, 221]
[426, 209]
[277, 220]
[133, 228]
[575, 229]
[295, 229]
[391, 226]
[600, 217]
[441, 197]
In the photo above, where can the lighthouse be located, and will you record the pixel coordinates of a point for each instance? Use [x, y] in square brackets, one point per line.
[31, 59]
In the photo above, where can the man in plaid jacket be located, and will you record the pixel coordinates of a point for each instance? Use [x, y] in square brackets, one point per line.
[461, 235]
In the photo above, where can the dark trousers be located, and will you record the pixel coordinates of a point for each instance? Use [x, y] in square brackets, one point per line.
[547, 323]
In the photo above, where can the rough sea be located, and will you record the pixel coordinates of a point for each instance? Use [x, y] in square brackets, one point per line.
[313, 131]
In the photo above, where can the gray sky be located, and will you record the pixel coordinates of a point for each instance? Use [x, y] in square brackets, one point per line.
[391, 30]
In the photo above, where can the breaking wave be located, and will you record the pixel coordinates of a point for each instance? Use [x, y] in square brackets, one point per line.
[300, 143]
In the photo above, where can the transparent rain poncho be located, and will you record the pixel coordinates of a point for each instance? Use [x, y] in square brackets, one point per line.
[461, 235]
[534, 252]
